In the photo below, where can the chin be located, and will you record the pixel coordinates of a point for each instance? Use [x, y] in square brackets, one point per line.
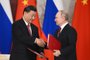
[57, 24]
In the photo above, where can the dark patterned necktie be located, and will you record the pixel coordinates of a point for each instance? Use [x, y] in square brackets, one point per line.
[29, 29]
[58, 32]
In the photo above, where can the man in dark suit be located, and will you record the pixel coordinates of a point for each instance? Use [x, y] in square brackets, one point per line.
[25, 36]
[67, 37]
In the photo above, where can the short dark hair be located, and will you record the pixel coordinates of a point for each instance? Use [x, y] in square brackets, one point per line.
[29, 8]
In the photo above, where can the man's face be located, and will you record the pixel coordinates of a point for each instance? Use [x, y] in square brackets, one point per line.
[59, 19]
[30, 16]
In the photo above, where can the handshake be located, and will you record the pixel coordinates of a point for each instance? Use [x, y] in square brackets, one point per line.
[40, 42]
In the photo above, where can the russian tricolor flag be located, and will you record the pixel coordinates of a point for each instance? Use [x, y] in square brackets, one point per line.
[5, 26]
[52, 7]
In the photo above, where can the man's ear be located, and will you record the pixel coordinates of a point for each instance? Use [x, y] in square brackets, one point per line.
[63, 17]
[25, 12]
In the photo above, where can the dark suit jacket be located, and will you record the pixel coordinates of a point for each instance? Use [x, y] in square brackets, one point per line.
[67, 37]
[22, 40]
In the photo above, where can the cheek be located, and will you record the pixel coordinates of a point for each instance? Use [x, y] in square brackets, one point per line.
[57, 20]
[29, 17]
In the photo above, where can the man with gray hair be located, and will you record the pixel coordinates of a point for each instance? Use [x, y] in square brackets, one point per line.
[67, 36]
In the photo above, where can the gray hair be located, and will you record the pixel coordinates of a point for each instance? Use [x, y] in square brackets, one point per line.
[65, 15]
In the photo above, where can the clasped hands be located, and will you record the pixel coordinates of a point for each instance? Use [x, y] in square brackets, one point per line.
[40, 42]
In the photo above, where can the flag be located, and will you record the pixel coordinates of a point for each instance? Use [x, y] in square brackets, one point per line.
[81, 22]
[52, 7]
[19, 13]
[5, 26]
[21, 5]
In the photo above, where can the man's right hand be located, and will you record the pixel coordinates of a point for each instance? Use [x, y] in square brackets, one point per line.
[40, 42]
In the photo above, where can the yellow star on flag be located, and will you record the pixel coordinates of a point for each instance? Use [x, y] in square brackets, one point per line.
[25, 2]
[84, 2]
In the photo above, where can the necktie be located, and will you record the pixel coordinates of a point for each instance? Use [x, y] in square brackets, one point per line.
[29, 29]
[58, 33]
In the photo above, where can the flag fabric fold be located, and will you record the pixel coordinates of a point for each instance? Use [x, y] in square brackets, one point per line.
[81, 22]
[5, 27]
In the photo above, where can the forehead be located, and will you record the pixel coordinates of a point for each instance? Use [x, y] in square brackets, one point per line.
[58, 14]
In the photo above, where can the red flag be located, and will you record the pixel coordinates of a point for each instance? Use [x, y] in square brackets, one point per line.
[21, 5]
[19, 13]
[81, 22]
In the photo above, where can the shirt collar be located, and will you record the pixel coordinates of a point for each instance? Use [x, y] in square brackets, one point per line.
[25, 21]
[63, 25]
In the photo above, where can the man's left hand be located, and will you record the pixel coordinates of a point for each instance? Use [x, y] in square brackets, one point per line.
[57, 53]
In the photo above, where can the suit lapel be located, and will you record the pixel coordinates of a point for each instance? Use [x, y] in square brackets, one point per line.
[33, 29]
[24, 27]
[64, 29]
